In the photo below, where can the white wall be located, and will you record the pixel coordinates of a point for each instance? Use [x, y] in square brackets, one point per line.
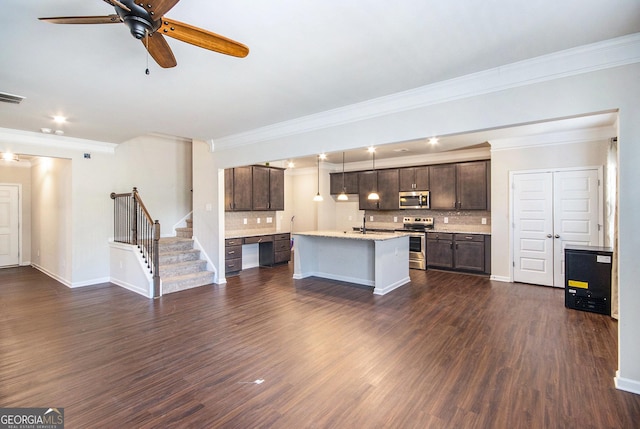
[52, 217]
[161, 169]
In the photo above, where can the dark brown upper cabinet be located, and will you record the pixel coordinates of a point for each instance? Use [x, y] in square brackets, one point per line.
[385, 183]
[254, 187]
[350, 183]
[461, 186]
[414, 178]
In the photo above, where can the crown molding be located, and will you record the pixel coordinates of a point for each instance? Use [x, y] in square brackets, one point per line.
[553, 139]
[583, 59]
[13, 137]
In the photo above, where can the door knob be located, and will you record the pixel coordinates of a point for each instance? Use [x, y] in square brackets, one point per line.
[549, 235]
[557, 236]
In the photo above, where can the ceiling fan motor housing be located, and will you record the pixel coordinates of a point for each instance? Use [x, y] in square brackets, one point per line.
[139, 20]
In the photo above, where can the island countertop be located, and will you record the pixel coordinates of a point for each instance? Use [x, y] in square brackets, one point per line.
[375, 259]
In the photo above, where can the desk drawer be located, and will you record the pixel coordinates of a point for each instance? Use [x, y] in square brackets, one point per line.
[233, 252]
[233, 242]
[233, 265]
[258, 239]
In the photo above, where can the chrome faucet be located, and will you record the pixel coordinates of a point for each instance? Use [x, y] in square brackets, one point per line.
[364, 224]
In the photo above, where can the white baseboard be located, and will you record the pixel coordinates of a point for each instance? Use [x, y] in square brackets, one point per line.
[91, 282]
[500, 279]
[53, 276]
[626, 384]
[133, 288]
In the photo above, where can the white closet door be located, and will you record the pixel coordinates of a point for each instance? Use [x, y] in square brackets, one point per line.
[576, 214]
[533, 228]
[9, 226]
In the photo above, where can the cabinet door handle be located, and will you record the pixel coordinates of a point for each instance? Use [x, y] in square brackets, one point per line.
[232, 252]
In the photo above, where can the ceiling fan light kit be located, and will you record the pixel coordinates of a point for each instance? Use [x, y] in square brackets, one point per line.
[146, 22]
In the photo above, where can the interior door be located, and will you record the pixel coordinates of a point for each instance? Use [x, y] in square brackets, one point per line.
[550, 211]
[533, 228]
[576, 214]
[9, 226]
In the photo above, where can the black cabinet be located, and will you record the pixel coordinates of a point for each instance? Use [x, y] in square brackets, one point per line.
[414, 178]
[385, 183]
[350, 183]
[254, 187]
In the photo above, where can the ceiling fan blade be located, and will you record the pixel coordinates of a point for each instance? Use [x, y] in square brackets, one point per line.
[118, 4]
[159, 49]
[202, 38]
[108, 19]
[158, 8]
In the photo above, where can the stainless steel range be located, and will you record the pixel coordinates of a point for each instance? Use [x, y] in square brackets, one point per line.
[417, 227]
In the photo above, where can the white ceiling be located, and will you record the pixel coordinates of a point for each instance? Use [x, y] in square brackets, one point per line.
[305, 58]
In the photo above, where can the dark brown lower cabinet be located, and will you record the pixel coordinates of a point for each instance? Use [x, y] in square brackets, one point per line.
[460, 252]
[233, 256]
[272, 249]
[468, 252]
[439, 250]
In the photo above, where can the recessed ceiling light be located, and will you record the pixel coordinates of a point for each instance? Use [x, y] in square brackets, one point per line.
[323, 156]
[59, 119]
[433, 140]
[371, 149]
[291, 164]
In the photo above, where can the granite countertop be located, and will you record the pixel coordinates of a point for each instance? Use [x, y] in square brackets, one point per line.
[453, 229]
[355, 235]
[251, 233]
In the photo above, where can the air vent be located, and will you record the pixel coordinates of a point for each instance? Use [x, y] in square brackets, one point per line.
[10, 98]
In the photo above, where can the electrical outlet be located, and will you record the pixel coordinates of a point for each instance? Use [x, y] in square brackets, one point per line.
[258, 221]
[370, 218]
[395, 218]
[484, 220]
[269, 220]
[446, 220]
[208, 207]
[244, 220]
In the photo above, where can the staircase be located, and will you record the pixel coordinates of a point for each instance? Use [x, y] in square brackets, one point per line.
[180, 264]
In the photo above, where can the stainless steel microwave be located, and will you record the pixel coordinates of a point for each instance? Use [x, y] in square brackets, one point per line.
[414, 200]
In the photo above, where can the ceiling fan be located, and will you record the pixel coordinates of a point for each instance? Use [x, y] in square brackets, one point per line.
[147, 22]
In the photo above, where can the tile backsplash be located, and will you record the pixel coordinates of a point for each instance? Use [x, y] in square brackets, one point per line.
[256, 222]
[457, 219]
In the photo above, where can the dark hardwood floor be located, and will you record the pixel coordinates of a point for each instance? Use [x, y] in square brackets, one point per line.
[445, 351]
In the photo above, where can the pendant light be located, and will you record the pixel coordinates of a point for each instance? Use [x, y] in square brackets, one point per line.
[343, 194]
[318, 197]
[374, 195]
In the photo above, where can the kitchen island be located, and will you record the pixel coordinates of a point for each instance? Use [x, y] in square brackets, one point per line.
[373, 259]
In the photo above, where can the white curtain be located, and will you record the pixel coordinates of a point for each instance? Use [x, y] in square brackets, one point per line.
[611, 207]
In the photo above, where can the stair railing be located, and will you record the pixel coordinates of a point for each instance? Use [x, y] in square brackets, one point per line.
[132, 224]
